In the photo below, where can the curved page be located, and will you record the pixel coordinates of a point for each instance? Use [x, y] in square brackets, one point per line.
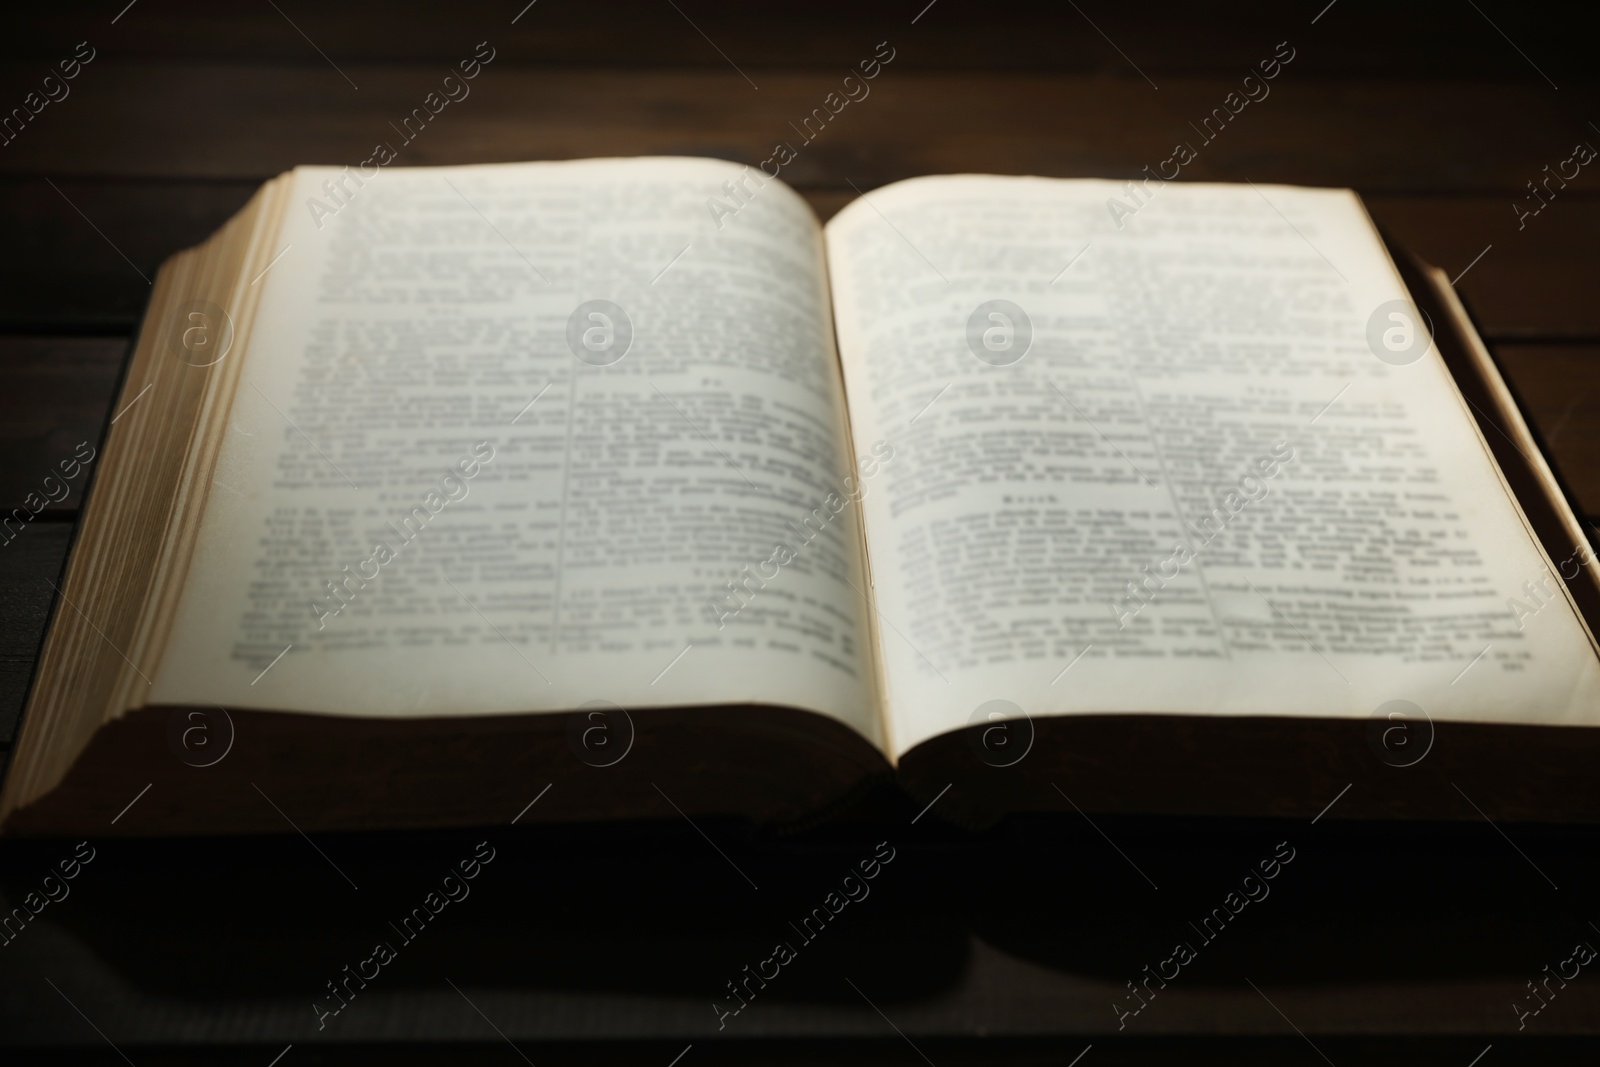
[519, 437]
[1168, 449]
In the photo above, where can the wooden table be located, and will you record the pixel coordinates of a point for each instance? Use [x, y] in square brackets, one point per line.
[1394, 942]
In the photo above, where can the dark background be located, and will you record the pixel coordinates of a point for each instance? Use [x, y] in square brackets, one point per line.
[1380, 943]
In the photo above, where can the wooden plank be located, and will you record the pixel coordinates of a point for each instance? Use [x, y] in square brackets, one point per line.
[1534, 284]
[92, 247]
[57, 392]
[1559, 389]
[1160, 36]
[1529, 282]
[153, 119]
[28, 564]
[1032, 931]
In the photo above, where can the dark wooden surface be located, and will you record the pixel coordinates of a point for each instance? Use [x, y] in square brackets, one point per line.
[1390, 943]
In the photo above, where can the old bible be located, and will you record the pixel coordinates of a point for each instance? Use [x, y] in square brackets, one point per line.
[625, 489]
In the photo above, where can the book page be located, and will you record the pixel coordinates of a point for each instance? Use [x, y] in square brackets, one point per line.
[1176, 448]
[521, 437]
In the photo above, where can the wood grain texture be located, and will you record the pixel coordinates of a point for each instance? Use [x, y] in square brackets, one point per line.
[627, 932]
[58, 391]
[1532, 282]
[1558, 387]
[29, 562]
[1358, 37]
[85, 251]
[180, 120]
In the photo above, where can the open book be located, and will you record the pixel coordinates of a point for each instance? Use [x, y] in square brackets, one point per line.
[430, 488]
